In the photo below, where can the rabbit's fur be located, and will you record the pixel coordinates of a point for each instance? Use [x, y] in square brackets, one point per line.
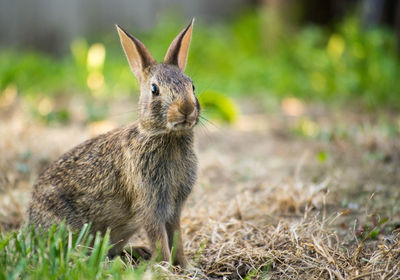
[135, 176]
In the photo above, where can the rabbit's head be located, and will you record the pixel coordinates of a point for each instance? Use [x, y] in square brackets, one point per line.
[167, 100]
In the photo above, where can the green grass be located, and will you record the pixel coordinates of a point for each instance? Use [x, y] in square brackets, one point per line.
[240, 58]
[60, 254]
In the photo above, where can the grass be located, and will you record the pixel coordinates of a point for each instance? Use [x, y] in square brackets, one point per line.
[240, 58]
[226, 247]
[308, 194]
[60, 254]
[275, 203]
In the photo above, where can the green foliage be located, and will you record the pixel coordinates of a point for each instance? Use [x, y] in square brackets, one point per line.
[322, 156]
[348, 64]
[34, 73]
[246, 57]
[371, 229]
[218, 106]
[60, 254]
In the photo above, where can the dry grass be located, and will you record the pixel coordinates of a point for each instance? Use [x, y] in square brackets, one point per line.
[283, 247]
[264, 207]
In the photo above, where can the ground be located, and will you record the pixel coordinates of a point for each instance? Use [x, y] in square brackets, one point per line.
[282, 194]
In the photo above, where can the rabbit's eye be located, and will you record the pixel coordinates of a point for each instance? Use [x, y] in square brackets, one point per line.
[193, 87]
[154, 90]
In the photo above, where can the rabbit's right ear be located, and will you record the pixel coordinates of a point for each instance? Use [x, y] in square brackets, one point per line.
[178, 50]
[136, 52]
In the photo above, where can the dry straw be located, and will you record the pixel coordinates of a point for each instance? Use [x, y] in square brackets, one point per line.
[231, 232]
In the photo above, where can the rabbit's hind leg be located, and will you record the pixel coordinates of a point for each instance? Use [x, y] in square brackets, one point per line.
[42, 219]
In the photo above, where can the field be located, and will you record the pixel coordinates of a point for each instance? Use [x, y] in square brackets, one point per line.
[299, 172]
[303, 192]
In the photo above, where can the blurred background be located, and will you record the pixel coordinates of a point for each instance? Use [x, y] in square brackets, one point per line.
[334, 52]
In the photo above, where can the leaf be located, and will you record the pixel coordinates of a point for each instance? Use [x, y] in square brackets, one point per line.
[322, 156]
[218, 106]
[4, 242]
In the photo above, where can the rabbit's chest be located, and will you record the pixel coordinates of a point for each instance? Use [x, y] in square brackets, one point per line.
[166, 181]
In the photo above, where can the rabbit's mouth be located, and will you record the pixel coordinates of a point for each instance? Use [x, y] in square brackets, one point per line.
[184, 124]
[179, 118]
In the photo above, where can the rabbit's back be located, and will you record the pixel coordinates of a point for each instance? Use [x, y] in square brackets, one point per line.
[80, 186]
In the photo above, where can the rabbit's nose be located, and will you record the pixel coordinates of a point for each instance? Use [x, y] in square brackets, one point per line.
[186, 107]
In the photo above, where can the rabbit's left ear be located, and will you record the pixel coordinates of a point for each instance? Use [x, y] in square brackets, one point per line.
[137, 54]
[178, 50]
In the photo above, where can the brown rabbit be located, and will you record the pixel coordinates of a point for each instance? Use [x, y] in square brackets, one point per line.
[135, 176]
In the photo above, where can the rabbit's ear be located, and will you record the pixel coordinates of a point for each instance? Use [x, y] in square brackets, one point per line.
[178, 50]
[136, 52]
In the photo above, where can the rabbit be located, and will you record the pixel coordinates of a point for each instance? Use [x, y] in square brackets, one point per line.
[137, 176]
